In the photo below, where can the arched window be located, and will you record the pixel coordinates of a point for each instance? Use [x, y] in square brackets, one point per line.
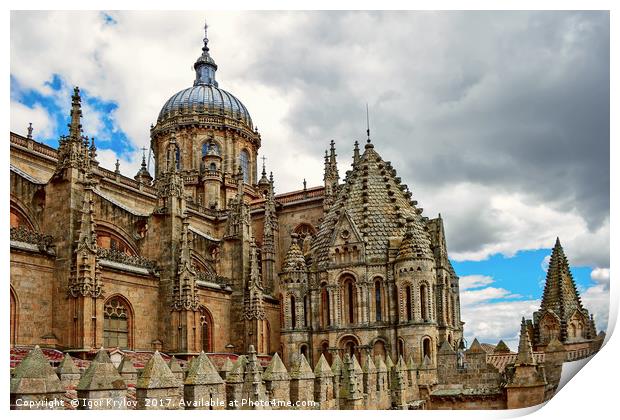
[426, 348]
[177, 157]
[409, 312]
[378, 301]
[325, 352]
[350, 300]
[293, 314]
[266, 337]
[108, 240]
[206, 330]
[281, 298]
[19, 219]
[325, 312]
[306, 310]
[401, 347]
[303, 349]
[116, 323]
[212, 167]
[244, 162]
[378, 349]
[423, 302]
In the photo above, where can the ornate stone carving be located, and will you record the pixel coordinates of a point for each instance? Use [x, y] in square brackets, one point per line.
[41, 240]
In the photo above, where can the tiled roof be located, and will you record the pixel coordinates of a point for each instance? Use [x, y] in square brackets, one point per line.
[377, 203]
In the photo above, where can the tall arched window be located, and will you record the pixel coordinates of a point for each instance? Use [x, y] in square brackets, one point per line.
[401, 347]
[378, 302]
[116, 323]
[426, 348]
[206, 330]
[281, 311]
[325, 313]
[293, 314]
[177, 157]
[350, 300]
[409, 312]
[306, 310]
[244, 162]
[213, 147]
[423, 302]
[266, 337]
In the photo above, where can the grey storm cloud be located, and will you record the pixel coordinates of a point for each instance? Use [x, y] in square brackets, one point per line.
[472, 108]
[518, 101]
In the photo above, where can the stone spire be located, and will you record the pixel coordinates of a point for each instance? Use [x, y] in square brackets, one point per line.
[416, 244]
[85, 277]
[270, 229]
[356, 152]
[253, 302]
[143, 174]
[205, 66]
[525, 354]
[331, 176]
[294, 259]
[560, 294]
[184, 291]
[75, 126]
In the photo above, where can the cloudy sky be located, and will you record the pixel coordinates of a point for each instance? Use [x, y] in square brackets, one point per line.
[497, 120]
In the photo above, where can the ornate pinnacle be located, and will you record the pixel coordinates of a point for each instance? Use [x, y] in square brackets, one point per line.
[29, 130]
[75, 127]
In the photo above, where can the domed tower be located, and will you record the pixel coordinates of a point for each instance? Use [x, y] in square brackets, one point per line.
[212, 134]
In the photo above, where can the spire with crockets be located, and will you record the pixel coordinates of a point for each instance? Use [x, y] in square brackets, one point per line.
[560, 294]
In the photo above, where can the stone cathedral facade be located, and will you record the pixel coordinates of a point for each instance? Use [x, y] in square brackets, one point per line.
[204, 255]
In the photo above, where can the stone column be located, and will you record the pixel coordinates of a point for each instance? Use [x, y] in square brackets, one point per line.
[157, 387]
[383, 391]
[337, 371]
[253, 391]
[399, 384]
[101, 386]
[204, 388]
[351, 393]
[35, 382]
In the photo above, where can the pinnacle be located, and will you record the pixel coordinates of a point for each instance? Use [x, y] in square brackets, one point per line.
[276, 369]
[322, 368]
[525, 355]
[202, 372]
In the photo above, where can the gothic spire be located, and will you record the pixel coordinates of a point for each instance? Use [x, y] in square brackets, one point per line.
[525, 354]
[560, 294]
[75, 126]
[205, 66]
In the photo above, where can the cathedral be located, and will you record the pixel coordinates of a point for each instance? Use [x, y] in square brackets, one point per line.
[203, 255]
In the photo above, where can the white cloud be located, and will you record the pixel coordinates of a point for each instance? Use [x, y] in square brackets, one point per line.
[42, 123]
[475, 297]
[600, 275]
[474, 281]
[596, 300]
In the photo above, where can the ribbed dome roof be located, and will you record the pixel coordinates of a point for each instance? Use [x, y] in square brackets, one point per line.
[205, 96]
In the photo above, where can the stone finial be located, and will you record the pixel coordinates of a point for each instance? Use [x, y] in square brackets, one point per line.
[67, 366]
[226, 367]
[126, 366]
[117, 166]
[369, 366]
[29, 130]
[35, 375]
[237, 372]
[525, 354]
[476, 347]
[301, 369]
[322, 368]
[426, 363]
[337, 365]
[202, 372]
[157, 374]
[411, 363]
[101, 375]
[446, 348]
[501, 347]
[276, 371]
[380, 364]
[174, 365]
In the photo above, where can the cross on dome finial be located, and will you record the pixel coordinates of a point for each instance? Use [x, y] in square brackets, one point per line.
[205, 66]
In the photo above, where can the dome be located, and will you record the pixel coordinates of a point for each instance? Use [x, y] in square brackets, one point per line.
[205, 96]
